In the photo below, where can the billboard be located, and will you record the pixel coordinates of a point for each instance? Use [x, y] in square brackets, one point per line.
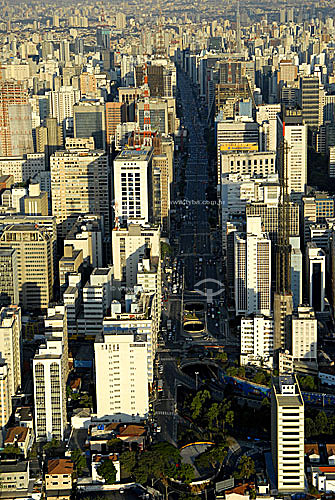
[239, 146]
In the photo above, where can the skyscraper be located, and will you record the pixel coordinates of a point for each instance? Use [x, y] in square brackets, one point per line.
[34, 248]
[252, 270]
[287, 434]
[310, 100]
[115, 114]
[15, 120]
[90, 121]
[133, 185]
[80, 185]
[9, 289]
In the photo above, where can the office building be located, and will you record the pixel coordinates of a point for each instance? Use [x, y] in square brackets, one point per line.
[252, 163]
[287, 434]
[88, 85]
[235, 135]
[115, 115]
[10, 346]
[304, 334]
[49, 370]
[310, 100]
[36, 202]
[316, 276]
[155, 79]
[97, 298]
[87, 234]
[124, 356]
[268, 211]
[296, 142]
[331, 170]
[149, 278]
[90, 121]
[158, 115]
[257, 341]
[16, 137]
[316, 210]
[161, 191]
[80, 185]
[5, 395]
[133, 185]
[71, 262]
[23, 168]
[49, 138]
[34, 250]
[120, 20]
[296, 271]
[61, 104]
[9, 288]
[252, 270]
[129, 246]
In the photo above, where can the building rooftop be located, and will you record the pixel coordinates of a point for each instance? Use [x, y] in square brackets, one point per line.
[60, 466]
[7, 466]
[141, 153]
[16, 434]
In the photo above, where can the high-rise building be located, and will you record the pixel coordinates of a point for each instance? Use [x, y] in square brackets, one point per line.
[49, 138]
[120, 20]
[132, 185]
[124, 357]
[10, 345]
[80, 185]
[158, 115]
[61, 104]
[88, 85]
[23, 168]
[287, 434]
[87, 234]
[89, 121]
[115, 114]
[9, 288]
[161, 195]
[252, 270]
[34, 250]
[316, 276]
[36, 202]
[64, 51]
[295, 152]
[129, 246]
[257, 341]
[16, 137]
[235, 135]
[332, 161]
[304, 334]
[253, 163]
[310, 101]
[5, 395]
[50, 376]
[70, 263]
[296, 271]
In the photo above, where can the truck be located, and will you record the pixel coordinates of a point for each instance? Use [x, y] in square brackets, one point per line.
[160, 385]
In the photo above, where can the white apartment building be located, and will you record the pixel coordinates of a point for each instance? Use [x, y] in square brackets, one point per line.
[22, 168]
[10, 347]
[296, 156]
[50, 390]
[260, 163]
[149, 277]
[97, 298]
[296, 271]
[133, 185]
[316, 276]
[304, 334]
[61, 104]
[122, 374]
[129, 246]
[287, 434]
[5, 395]
[257, 341]
[252, 270]
[266, 117]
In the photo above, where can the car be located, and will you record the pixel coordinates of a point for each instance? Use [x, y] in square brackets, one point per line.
[122, 490]
[158, 429]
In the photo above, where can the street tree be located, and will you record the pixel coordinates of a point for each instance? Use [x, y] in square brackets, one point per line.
[246, 468]
[79, 460]
[107, 470]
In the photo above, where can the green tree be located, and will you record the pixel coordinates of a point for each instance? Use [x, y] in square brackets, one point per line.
[307, 383]
[79, 460]
[198, 403]
[128, 462]
[107, 470]
[184, 473]
[259, 378]
[310, 429]
[51, 445]
[115, 445]
[321, 423]
[222, 357]
[246, 468]
[156, 462]
[12, 450]
[213, 416]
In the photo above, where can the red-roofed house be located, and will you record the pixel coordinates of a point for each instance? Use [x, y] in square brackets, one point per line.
[58, 480]
[324, 478]
[20, 437]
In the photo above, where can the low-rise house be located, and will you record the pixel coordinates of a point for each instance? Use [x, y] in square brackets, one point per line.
[96, 462]
[14, 476]
[323, 478]
[132, 434]
[331, 453]
[59, 479]
[20, 437]
[24, 417]
[312, 453]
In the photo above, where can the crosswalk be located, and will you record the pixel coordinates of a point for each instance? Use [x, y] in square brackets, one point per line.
[164, 413]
